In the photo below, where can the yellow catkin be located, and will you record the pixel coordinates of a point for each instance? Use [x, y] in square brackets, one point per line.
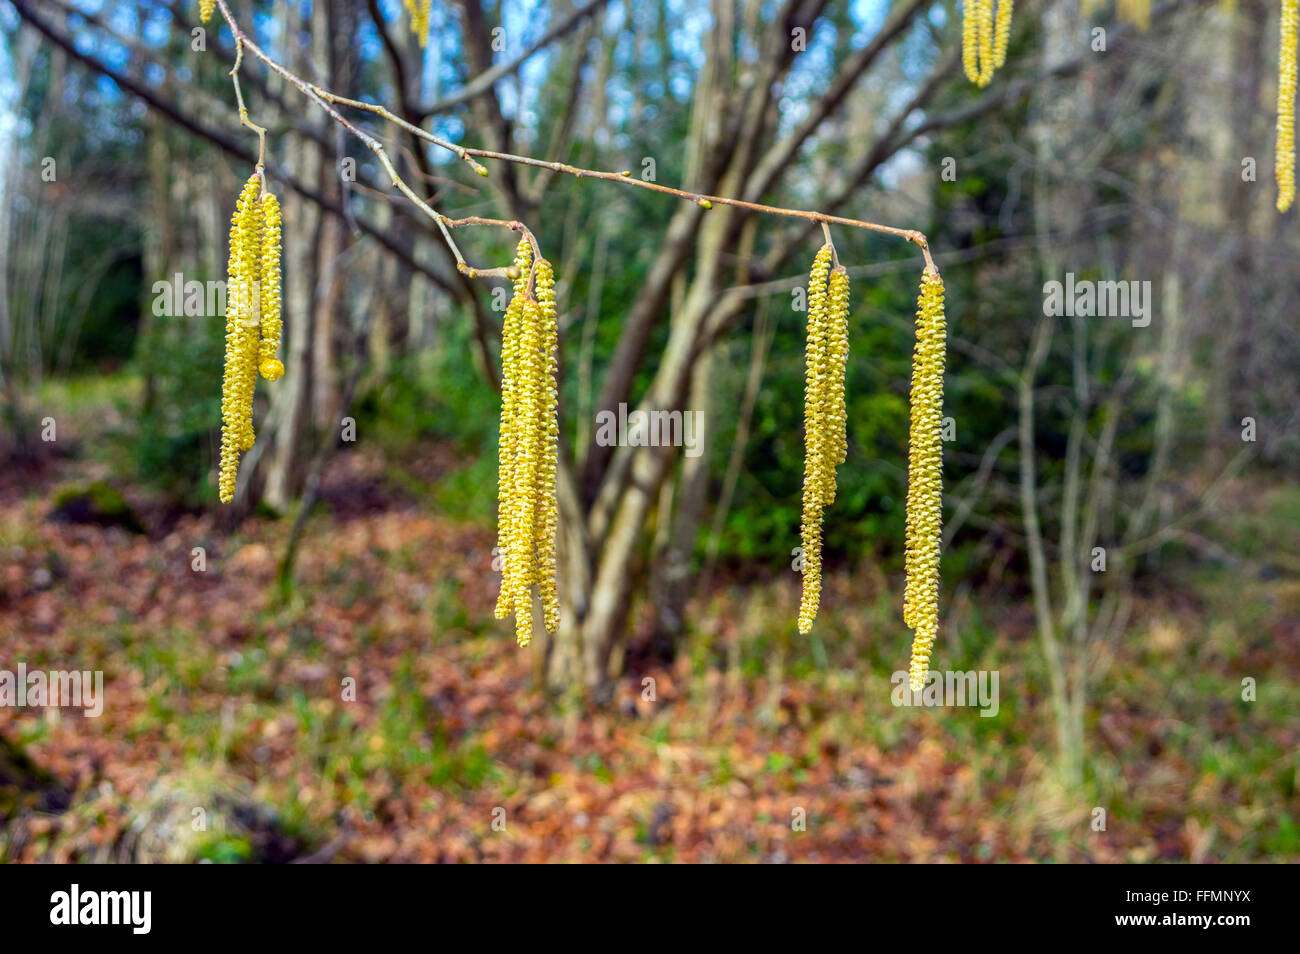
[926, 408]
[986, 42]
[235, 411]
[205, 9]
[1284, 156]
[984, 38]
[268, 364]
[523, 534]
[1003, 33]
[816, 463]
[418, 11]
[548, 428]
[837, 352]
[925, 477]
[250, 255]
[527, 461]
[511, 353]
[970, 52]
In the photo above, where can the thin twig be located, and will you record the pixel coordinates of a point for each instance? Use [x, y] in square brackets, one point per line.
[704, 200]
[507, 271]
[243, 110]
[485, 81]
[242, 40]
[327, 100]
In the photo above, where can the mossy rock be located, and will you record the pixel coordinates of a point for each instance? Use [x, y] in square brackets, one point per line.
[98, 503]
[235, 828]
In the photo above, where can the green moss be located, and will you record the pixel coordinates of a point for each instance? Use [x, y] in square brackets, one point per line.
[98, 503]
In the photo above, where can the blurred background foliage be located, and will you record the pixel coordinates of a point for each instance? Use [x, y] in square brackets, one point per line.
[1120, 689]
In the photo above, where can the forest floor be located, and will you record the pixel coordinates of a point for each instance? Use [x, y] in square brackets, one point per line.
[226, 734]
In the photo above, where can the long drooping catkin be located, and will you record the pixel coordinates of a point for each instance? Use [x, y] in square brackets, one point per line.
[236, 391]
[818, 471]
[268, 364]
[1284, 154]
[511, 354]
[522, 547]
[548, 427]
[1003, 34]
[986, 42]
[418, 11]
[529, 445]
[205, 10]
[837, 355]
[250, 255]
[970, 38]
[925, 477]
[984, 38]
[252, 321]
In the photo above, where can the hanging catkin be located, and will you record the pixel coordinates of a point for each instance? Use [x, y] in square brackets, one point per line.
[1284, 154]
[548, 426]
[925, 477]
[510, 359]
[826, 355]
[837, 355]
[1003, 34]
[236, 398]
[205, 10]
[250, 253]
[984, 38]
[418, 11]
[970, 53]
[252, 313]
[268, 364]
[527, 458]
[522, 548]
[986, 42]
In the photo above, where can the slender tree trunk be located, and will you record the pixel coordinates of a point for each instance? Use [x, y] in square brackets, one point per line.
[675, 573]
[291, 439]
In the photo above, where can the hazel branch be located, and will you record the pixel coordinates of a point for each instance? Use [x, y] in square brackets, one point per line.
[309, 90]
[508, 271]
[703, 200]
[327, 101]
[243, 110]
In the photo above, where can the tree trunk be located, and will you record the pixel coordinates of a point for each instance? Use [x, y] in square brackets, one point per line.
[291, 437]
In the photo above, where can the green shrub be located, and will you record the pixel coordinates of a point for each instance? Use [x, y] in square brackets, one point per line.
[171, 436]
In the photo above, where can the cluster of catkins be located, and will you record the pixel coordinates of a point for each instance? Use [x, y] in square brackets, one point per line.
[1284, 155]
[825, 446]
[825, 416]
[528, 454]
[418, 11]
[984, 39]
[252, 320]
[925, 477]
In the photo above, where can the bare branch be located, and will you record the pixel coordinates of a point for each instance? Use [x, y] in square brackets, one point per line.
[486, 80]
